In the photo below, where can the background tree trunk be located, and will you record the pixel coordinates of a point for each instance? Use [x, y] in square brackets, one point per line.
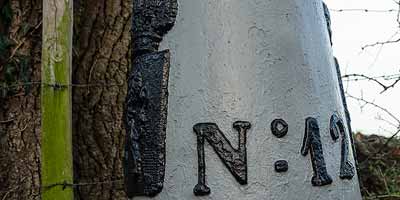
[20, 106]
[101, 57]
[102, 42]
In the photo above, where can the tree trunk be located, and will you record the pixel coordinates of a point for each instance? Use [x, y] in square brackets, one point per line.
[102, 41]
[101, 57]
[20, 106]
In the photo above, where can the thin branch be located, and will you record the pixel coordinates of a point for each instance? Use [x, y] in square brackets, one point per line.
[376, 106]
[375, 79]
[382, 147]
[381, 43]
[389, 140]
[384, 179]
[12, 189]
[6, 121]
[381, 48]
[398, 13]
[365, 78]
[14, 51]
[388, 113]
[388, 122]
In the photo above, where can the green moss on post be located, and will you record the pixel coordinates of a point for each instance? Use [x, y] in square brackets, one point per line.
[56, 140]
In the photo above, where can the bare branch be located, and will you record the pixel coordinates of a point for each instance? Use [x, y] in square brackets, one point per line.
[381, 43]
[398, 13]
[376, 106]
[375, 79]
[6, 121]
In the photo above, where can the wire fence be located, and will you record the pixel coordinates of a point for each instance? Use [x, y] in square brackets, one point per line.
[4, 194]
[364, 10]
[64, 185]
[359, 77]
[6, 88]
[58, 85]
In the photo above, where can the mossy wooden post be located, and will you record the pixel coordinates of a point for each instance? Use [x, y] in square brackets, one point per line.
[56, 144]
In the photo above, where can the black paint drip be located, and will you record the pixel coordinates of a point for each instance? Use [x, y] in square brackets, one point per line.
[312, 143]
[337, 128]
[234, 159]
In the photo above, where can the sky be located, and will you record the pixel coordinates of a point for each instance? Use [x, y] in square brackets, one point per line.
[351, 31]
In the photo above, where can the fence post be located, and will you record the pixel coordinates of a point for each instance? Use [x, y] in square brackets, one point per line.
[56, 140]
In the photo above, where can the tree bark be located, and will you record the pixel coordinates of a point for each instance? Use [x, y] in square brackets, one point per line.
[101, 57]
[20, 106]
[102, 41]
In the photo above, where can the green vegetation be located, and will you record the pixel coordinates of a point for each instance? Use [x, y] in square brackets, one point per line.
[14, 67]
[379, 166]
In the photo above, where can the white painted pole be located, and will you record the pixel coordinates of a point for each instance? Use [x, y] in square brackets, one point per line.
[256, 61]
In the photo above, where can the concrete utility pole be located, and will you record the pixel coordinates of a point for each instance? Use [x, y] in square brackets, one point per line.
[246, 104]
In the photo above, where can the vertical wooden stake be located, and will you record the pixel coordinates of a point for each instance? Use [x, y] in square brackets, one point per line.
[56, 143]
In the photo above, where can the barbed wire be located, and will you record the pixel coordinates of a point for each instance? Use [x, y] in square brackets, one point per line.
[364, 10]
[59, 85]
[359, 77]
[385, 86]
[64, 185]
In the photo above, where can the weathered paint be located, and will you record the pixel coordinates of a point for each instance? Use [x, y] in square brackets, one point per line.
[252, 61]
[145, 122]
[56, 141]
[147, 98]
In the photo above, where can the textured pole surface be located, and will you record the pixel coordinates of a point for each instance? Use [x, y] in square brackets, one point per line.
[56, 142]
[268, 63]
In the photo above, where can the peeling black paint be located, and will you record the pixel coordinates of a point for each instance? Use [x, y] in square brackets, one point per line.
[281, 166]
[145, 121]
[145, 112]
[312, 143]
[279, 128]
[337, 128]
[152, 19]
[328, 21]
[234, 159]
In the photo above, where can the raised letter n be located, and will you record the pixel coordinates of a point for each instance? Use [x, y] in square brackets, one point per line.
[234, 159]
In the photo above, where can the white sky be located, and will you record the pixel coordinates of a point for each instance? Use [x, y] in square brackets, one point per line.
[351, 31]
